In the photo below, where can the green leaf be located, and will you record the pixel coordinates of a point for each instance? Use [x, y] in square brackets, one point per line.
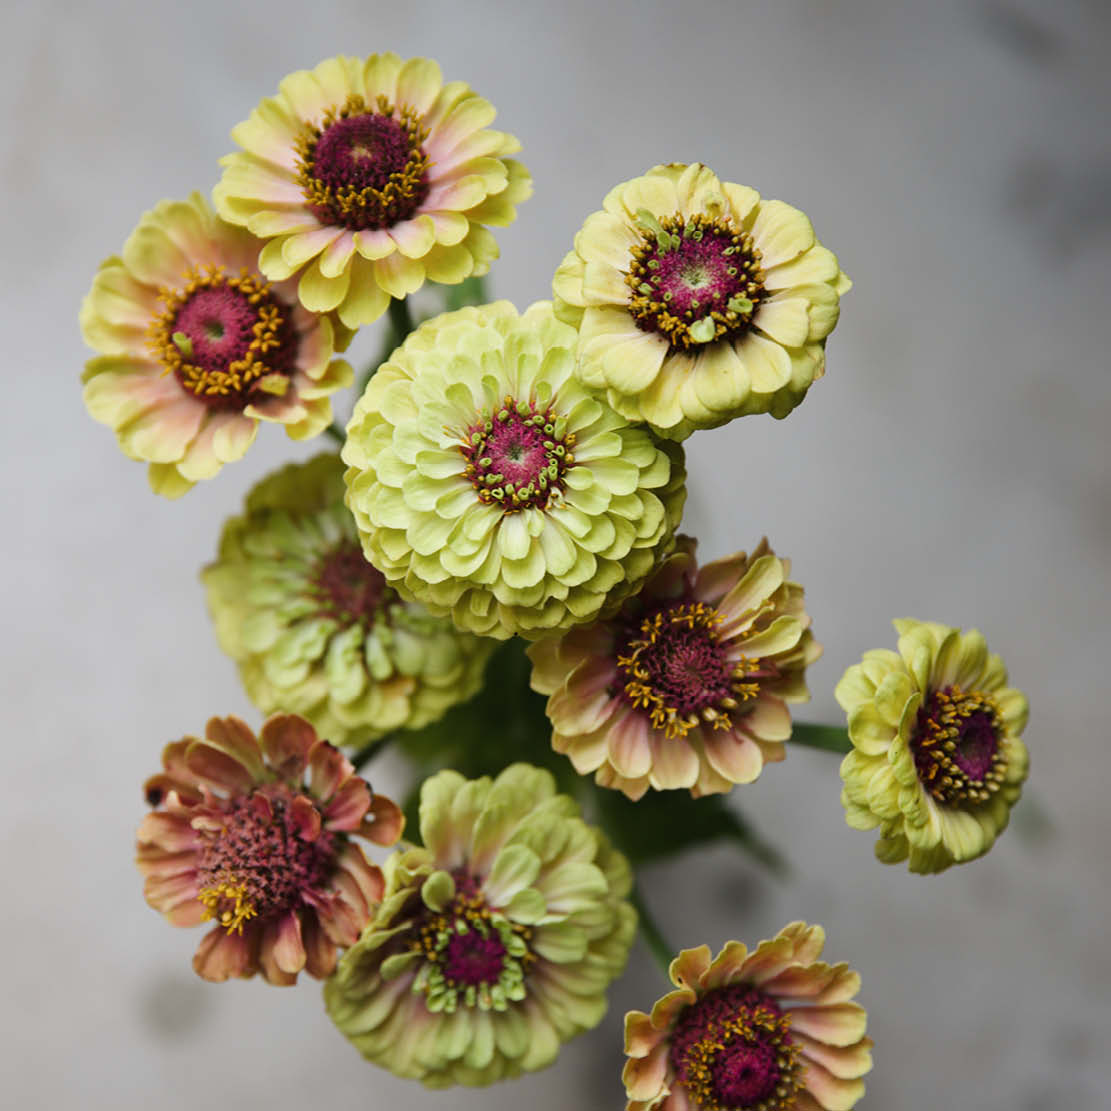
[831, 738]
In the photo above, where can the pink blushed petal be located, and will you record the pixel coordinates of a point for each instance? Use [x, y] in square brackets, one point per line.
[320, 953]
[836, 1024]
[328, 767]
[368, 877]
[221, 956]
[688, 968]
[348, 806]
[218, 769]
[674, 762]
[769, 719]
[628, 746]
[735, 757]
[384, 822]
[232, 736]
[726, 965]
[641, 1036]
[304, 819]
[286, 740]
[288, 949]
[845, 1062]
[646, 1078]
[831, 1092]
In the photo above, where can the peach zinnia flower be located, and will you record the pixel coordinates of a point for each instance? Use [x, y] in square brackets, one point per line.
[687, 686]
[770, 1030]
[239, 838]
[196, 347]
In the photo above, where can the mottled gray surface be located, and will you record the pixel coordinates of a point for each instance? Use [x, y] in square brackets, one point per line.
[952, 465]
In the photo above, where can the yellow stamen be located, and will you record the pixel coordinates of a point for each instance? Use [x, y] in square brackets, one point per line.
[216, 898]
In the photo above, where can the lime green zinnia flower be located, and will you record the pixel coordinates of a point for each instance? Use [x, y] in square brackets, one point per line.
[697, 302]
[492, 944]
[196, 348]
[313, 626]
[489, 485]
[937, 762]
[368, 177]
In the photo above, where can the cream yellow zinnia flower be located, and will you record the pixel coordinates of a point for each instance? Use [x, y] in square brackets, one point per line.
[490, 486]
[313, 626]
[368, 177]
[196, 347]
[937, 760]
[774, 1029]
[697, 302]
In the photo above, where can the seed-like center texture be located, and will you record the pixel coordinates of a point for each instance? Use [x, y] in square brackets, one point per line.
[694, 280]
[228, 340]
[349, 588]
[677, 669]
[732, 1050]
[364, 167]
[517, 455]
[259, 862]
[956, 746]
[473, 956]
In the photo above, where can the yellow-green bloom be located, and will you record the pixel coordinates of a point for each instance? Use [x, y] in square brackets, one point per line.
[313, 626]
[697, 302]
[937, 760]
[494, 943]
[770, 1030]
[687, 685]
[196, 347]
[369, 177]
[488, 484]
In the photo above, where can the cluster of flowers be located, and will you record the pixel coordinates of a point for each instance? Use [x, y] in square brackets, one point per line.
[503, 474]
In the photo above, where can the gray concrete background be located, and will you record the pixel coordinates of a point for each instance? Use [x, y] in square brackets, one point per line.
[952, 465]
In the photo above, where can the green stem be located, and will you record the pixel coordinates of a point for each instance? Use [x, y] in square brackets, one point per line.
[653, 937]
[336, 433]
[401, 319]
[831, 738]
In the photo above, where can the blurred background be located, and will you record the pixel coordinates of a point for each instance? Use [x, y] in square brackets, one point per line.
[952, 465]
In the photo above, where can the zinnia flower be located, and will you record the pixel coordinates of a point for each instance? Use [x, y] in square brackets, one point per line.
[196, 348]
[770, 1030]
[697, 302]
[313, 626]
[240, 839]
[494, 943]
[937, 760]
[489, 485]
[687, 686]
[371, 177]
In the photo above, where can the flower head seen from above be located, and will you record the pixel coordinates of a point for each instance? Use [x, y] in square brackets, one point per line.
[368, 177]
[697, 302]
[937, 760]
[770, 1030]
[688, 685]
[313, 626]
[239, 838]
[196, 348]
[489, 485]
[495, 942]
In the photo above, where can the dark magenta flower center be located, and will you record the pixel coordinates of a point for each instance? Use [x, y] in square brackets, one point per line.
[260, 862]
[229, 340]
[694, 280]
[732, 1050]
[956, 747]
[364, 168]
[349, 588]
[517, 455]
[471, 959]
[677, 670]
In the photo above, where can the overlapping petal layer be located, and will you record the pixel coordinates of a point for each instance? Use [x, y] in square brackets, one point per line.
[313, 626]
[937, 760]
[489, 485]
[688, 685]
[256, 834]
[494, 943]
[196, 348]
[697, 302]
[368, 177]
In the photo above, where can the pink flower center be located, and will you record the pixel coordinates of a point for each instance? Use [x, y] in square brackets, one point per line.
[471, 959]
[349, 588]
[364, 169]
[518, 455]
[732, 1050]
[228, 340]
[263, 858]
[956, 746]
[678, 671]
[694, 280]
